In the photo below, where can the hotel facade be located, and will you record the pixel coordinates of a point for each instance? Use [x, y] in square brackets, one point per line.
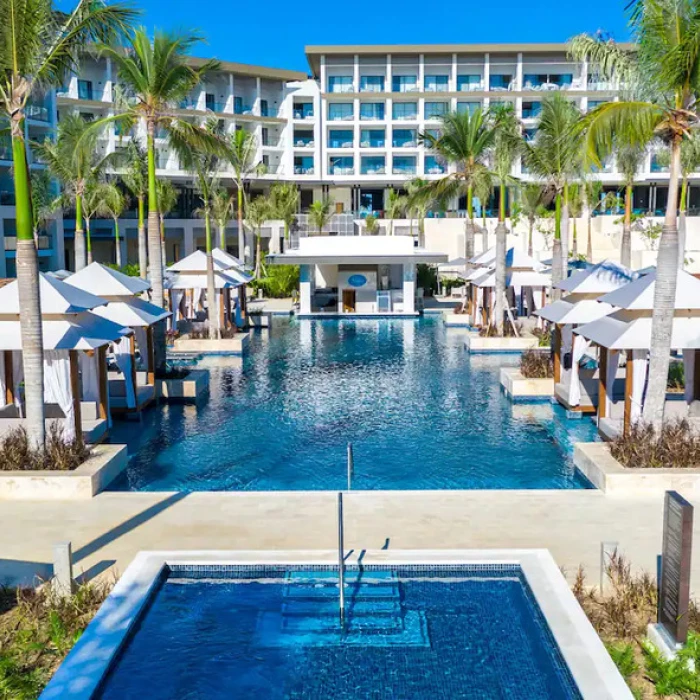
[348, 131]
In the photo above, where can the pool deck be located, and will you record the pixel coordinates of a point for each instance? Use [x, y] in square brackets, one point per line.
[107, 531]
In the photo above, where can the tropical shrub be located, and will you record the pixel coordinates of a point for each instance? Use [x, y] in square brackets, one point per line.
[676, 377]
[675, 446]
[17, 454]
[202, 333]
[280, 281]
[535, 364]
[448, 283]
[426, 279]
[130, 269]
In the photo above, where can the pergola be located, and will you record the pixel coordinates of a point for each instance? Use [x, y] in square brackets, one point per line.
[628, 330]
[187, 284]
[137, 389]
[75, 359]
[578, 307]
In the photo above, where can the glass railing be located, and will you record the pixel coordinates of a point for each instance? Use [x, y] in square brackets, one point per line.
[372, 116]
[373, 170]
[5, 153]
[216, 106]
[404, 170]
[532, 112]
[339, 143]
[405, 116]
[243, 109]
[404, 87]
[433, 167]
[436, 87]
[371, 87]
[469, 85]
[340, 116]
[373, 143]
[303, 170]
[37, 112]
[341, 88]
[404, 143]
[341, 170]
[303, 143]
[304, 113]
[188, 104]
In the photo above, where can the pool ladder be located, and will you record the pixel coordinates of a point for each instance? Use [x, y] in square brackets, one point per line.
[341, 561]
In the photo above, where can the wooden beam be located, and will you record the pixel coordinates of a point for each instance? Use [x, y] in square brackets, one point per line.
[222, 310]
[627, 419]
[132, 350]
[556, 338]
[9, 378]
[602, 381]
[102, 382]
[150, 356]
[75, 392]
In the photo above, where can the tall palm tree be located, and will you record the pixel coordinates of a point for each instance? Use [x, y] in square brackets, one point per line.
[395, 207]
[575, 212]
[629, 157]
[222, 206]
[167, 201]
[93, 199]
[320, 213]
[112, 203]
[38, 47]
[135, 179]
[157, 76]
[555, 158]
[242, 153]
[592, 192]
[284, 204]
[483, 190]
[532, 198]
[464, 141]
[74, 160]
[257, 212]
[44, 201]
[661, 81]
[690, 163]
[416, 206]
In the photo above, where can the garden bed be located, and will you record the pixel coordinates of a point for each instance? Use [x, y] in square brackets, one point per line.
[190, 386]
[236, 345]
[456, 320]
[516, 386]
[494, 344]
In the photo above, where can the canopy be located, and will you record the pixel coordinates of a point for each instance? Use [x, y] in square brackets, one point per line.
[197, 262]
[227, 259]
[639, 295]
[229, 279]
[566, 312]
[485, 258]
[602, 278]
[133, 312]
[59, 274]
[515, 278]
[106, 282]
[455, 265]
[57, 298]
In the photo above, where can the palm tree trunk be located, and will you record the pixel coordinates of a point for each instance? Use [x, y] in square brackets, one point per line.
[589, 244]
[574, 249]
[143, 250]
[682, 223]
[557, 271]
[469, 226]
[664, 300]
[529, 236]
[258, 254]
[565, 235]
[222, 237]
[163, 251]
[212, 310]
[154, 252]
[500, 286]
[117, 243]
[28, 290]
[241, 231]
[626, 246]
[89, 241]
[79, 241]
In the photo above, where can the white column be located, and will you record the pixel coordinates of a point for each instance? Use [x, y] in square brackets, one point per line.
[487, 76]
[453, 75]
[421, 72]
[388, 72]
[189, 238]
[306, 288]
[409, 288]
[229, 99]
[388, 164]
[321, 168]
[519, 86]
[356, 73]
[258, 94]
[324, 85]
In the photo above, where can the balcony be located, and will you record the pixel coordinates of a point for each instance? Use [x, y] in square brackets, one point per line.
[303, 111]
[373, 142]
[469, 83]
[340, 143]
[501, 82]
[433, 166]
[216, 106]
[436, 110]
[303, 169]
[341, 170]
[405, 112]
[188, 103]
[372, 114]
[436, 83]
[37, 112]
[340, 113]
[241, 108]
[659, 163]
[532, 110]
[404, 84]
[404, 138]
[372, 84]
[371, 166]
[404, 170]
[303, 142]
[551, 81]
[340, 84]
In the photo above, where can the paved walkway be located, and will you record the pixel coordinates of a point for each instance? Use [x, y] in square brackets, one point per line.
[111, 528]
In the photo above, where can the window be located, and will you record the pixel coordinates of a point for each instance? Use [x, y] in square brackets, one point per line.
[210, 101]
[405, 110]
[404, 83]
[341, 165]
[85, 89]
[372, 165]
[434, 165]
[265, 136]
[531, 110]
[466, 83]
[470, 107]
[436, 83]
[303, 110]
[404, 138]
[340, 112]
[303, 138]
[433, 133]
[372, 83]
[500, 81]
[372, 111]
[529, 135]
[340, 138]
[303, 165]
[372, 138]
[435, 110]
[264, 108]
[340, 83]
[404, 165]
[238, 105]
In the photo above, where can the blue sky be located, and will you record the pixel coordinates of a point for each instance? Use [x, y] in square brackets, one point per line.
[274, 32]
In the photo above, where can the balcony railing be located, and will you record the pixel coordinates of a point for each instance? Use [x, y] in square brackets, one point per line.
[403, 117]
[338, 89]
[370, 170]
[303, 170]
[341, 170]
[188, 104]
[303, 113]
[404, 170]
[404, 143]
[5, 153]
[242, 109]
[372, 116]
[373, 143]
[470, 87]
[303, 143]
[339, 143]
[371, 87]
[216, 106]
[37, 112]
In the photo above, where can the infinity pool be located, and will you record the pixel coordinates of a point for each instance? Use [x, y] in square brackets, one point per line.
[420, 412]
[412, 633]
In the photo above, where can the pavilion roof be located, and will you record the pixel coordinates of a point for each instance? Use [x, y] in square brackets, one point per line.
[639, 294]
[57, 298]
[104, 281]
[602, 278]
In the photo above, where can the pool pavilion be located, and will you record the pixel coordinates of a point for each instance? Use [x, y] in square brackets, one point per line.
[358, 276]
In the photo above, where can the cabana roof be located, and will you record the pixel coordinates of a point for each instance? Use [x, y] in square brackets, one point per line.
[132, 313]
[602, 278]
[197, 262]
[222, 280]
[488, 256]
[639, 295]
[106, 282]
[84, 331]
[578, 312]
[227, 259]
[59, 274]
[452, 265]
[515, 278]
[57, 298]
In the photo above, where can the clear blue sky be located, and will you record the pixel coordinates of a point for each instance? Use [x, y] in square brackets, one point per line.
[274, 32]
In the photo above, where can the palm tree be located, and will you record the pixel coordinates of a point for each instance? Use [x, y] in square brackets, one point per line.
[222, 205]
[629, 157]
[532, 198]
[690, 162]
[112, 203]
[44, 201]
[320, 213]
[157, 75]
[661, 86]
[417, 207]
[483, 189]
[257, 213]
[395, 207]
[371, 224]
[167, 201]
[39, 47]
[284, 204]
[242, 152]
[73, 159]
[555, 157]
[575, 212]
[592, 191]
[93, 198]
[135, 179]
[464, 141]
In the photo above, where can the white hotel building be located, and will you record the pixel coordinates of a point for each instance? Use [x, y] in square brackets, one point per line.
[347, 131]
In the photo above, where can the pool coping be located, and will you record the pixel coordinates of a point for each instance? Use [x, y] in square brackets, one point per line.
[80, 674]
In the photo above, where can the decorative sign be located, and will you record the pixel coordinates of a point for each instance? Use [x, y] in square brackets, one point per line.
[357, 280]
[674, 590]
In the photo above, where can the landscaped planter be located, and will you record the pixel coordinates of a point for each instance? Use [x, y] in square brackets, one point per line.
[263, 320]
[456, 320]
[236, 345]
[105, 463]
[518, 387]
[189, 388]
[479, 344]
[594, 461]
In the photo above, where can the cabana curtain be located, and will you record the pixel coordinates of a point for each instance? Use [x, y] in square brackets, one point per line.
[123, 358]
[17, 377]
[580, 348]
[689, 373]
[57, 388]
[639, 380]
[142, 343]
[610, 378]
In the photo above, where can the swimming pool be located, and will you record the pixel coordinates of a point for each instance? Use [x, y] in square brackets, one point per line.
[420, 412]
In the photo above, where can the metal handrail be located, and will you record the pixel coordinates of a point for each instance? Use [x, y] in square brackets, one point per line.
[341, 561]
[351, 466]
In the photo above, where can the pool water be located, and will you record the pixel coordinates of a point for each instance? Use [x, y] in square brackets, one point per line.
[420, 412]
[412, 633]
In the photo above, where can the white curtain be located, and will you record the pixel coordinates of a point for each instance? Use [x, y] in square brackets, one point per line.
[567, 332]
[610, 380]
[57, 388]
[176, 296]
[122, 356]
[639, 380]
[3, 386]
[89, 376]
[689, 373]
[239, 313]
[580, 347]
[142, 343]
[538, 303]
[478, 305]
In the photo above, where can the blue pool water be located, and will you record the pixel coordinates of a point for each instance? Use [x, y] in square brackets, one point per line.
[420, 412]
[412, 634]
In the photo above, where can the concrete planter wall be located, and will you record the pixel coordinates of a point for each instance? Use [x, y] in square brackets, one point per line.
[263, 320]
[456, 320]
[477, 344]
[594, 461]
[235, 346]
[104, 464]
[518, 387]
[190, 388]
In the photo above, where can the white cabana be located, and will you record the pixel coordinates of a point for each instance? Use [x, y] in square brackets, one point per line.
[131, 388]
[452, 268]
[628, 330]
[75, 364]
